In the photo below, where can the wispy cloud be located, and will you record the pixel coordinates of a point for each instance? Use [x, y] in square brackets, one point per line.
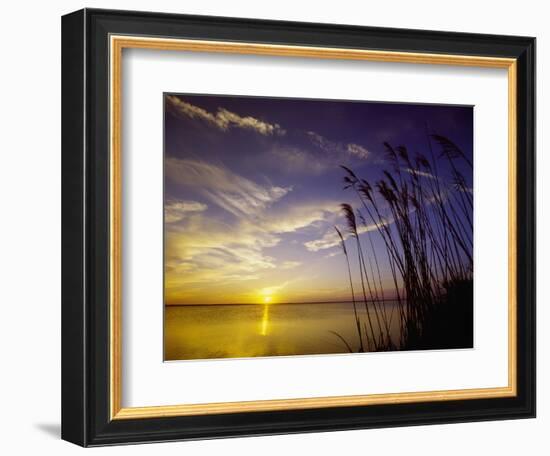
[236, 194]
[330, 238]
[358, 151]
[420, 173]
[290, 264]
[296, 160]
[337, 148]
[313, 154]
[203, 249]
[177, 210]
[327, 241]
[299, 216]
[222, 118]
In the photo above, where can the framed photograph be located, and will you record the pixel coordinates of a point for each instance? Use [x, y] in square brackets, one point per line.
[277, 227]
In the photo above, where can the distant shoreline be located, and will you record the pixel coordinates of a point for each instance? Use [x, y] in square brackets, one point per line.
[278, 303]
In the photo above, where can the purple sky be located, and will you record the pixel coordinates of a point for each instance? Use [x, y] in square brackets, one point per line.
[253, 187]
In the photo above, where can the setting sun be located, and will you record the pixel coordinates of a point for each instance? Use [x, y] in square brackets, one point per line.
[267, 294]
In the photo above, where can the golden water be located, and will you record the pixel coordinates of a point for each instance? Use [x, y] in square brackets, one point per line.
[248, 330]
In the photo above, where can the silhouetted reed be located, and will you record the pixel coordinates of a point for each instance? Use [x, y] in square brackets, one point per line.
[425, 223]
[357, 320]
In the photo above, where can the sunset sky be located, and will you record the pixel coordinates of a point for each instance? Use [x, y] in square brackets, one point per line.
[253, 188]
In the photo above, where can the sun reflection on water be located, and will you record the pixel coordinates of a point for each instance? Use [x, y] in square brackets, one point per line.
[265, 319]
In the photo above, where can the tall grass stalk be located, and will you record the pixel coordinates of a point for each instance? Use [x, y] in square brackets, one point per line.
[425, 224]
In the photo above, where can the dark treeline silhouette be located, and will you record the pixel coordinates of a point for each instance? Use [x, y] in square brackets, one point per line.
[422, 210]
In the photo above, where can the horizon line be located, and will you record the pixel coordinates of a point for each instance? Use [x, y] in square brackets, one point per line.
[279, 303]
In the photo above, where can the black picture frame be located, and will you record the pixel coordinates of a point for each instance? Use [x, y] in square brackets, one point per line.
[85, 224]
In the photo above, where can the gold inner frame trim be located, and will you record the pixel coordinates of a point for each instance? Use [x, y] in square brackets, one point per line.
[117, 44]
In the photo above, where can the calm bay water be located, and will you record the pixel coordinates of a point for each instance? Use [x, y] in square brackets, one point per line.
[247, 330]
